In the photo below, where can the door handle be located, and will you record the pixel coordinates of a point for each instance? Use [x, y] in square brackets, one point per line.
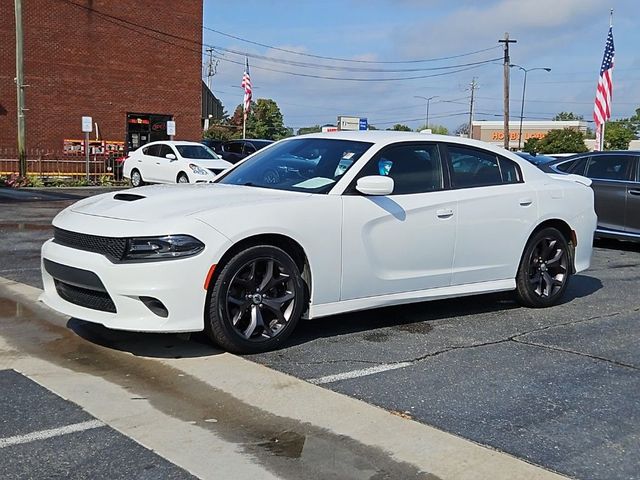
[525, 202]
[634, 192]
[444, 213]
[157, 163]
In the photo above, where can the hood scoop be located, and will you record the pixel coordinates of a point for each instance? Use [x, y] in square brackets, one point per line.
[128, 197]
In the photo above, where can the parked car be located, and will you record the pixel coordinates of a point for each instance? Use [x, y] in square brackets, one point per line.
[536, 159]
[215, 145]
[381, 218]
[616, 183]
[235, 150]
[173, 162]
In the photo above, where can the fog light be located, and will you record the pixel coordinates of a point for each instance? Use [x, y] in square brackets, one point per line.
[156, 306]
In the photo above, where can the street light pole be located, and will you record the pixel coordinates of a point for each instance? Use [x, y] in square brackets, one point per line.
[524, 89]
[426, 115]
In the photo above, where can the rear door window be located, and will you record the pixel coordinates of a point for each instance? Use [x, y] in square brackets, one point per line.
[610, 167]
[476, 168]
[152, 150]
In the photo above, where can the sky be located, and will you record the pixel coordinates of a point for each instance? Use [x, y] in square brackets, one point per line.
[567, 36]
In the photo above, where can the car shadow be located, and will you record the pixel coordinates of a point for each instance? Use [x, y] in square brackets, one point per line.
[612, 244]
[413, 318]
[154, 345]
[417, 317]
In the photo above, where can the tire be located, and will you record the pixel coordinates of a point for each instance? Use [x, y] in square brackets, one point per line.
[136, 178]
[261, 289]
[544, 271]
[182, 178]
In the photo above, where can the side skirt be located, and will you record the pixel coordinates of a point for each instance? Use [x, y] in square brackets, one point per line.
[326, 309]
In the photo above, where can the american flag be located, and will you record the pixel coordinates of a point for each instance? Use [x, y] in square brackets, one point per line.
[602, 107]
[246, 84]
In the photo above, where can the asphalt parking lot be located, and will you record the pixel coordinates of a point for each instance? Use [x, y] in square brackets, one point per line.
[63, 441]
[556, 387]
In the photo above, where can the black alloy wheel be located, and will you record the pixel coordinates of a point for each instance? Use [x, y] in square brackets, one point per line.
[256, 301]
[544, 270]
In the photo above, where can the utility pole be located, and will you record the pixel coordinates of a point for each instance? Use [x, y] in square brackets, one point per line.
[473, 86]
[22, 157]
[507, 61]
[211, 67]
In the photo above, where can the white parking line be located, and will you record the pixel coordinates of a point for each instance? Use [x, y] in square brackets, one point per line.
[358, 373]
[53, 432]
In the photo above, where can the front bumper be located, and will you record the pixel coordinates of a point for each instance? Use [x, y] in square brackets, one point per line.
[178, 284]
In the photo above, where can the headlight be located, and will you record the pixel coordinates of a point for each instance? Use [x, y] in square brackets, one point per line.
[198, 170]
[169, 246]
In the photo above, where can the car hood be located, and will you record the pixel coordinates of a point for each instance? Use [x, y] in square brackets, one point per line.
[163, 202]
[217, 164]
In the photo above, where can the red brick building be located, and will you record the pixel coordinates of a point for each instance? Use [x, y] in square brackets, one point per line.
[130, 65]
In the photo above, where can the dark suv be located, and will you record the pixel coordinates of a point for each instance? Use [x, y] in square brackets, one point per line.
[235, 150]
[616, 183]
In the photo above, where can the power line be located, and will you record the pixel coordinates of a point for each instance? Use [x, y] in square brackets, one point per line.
[347, 59]
[326, 77]
[339, 68]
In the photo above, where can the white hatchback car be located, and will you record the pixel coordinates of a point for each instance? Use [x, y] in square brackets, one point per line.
[173, 162]
[318, 225]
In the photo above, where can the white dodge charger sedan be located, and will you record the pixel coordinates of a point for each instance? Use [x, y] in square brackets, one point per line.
[318, 225]
[173, 162]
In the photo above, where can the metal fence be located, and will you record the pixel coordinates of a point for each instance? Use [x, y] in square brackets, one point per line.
[56, 164]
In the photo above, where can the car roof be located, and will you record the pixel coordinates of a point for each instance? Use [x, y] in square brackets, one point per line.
[172, 142]
[387, 136]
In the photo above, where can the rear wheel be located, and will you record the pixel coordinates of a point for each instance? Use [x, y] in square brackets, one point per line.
[136, 178]
[256, 301]
[182, 178]
[544, 270]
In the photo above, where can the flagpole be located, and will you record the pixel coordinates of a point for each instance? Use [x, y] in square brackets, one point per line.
[601, 146]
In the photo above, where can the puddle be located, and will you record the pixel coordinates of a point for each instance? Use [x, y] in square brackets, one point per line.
[13, 309]
[288, 448]
[286, 444]
[417, 327]
[377, 337]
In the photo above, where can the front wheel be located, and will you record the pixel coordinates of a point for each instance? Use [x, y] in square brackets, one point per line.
[182, 178]
[544, 270]
[256, 301]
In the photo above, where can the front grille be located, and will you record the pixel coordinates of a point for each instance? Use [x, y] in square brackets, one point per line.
[216, 171]
[112, 247]
[85, 298]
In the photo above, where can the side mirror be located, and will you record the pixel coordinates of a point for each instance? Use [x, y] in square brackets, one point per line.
[375, 185]
[170, 156]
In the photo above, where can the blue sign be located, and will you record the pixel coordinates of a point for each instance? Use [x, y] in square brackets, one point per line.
[364, 125]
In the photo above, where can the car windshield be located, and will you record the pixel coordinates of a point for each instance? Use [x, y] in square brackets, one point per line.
[303, 165]
[201, 152]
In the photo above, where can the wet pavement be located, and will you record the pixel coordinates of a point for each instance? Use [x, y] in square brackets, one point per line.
[556, 387]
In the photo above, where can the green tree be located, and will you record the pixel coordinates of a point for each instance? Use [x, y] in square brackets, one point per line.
[531, 145]
[264, 120]
[435, 129]
[372, 127]
[398, 127]
[566, 140]
[305, 130]
[221, 131]
[564, 116]
[618, 134]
